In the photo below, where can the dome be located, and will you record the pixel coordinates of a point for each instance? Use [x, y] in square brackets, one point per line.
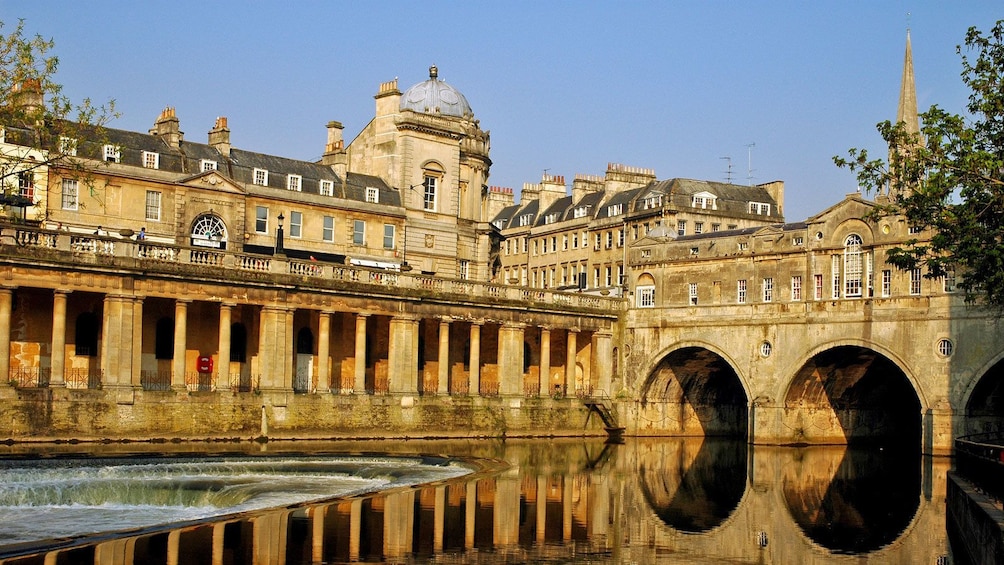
[436, 97]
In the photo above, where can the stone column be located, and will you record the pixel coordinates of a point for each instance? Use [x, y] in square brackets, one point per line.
[443, 380]
[223, 349]
[570, 350]
[6, 298]
[180, 346]
[275, 349]
[604, 358]
[511, 359]
[117, 340]
[359, 385]
[58, 360]
[403, 355]
[545, 361]
[475, 361]
[324, 352]
[135, 377]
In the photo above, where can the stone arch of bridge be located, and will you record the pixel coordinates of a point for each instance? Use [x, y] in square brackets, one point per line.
[851, 391]
[982, 400]
[654, 361]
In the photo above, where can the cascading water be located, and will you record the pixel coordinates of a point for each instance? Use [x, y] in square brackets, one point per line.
[44, 499]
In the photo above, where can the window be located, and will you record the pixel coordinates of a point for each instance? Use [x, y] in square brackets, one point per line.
[328, 229]
[358, 232]
[759, 208]
[551, 218]
[817, 281]
[112, 154]
[835, 270]
[915, 281]
[372, 194]
[70, 192]
[886, 283]
[327, 188]
[766, 349]
[704, 200]
[694, 251]
[743, 245]
[741, 291]
[698, 227]
[580, 212]
[293, 182]
[524, 220]
[681, 227]
[716, 227]
[544, 243]
[261, 219]
[608, 279]
[596, 277]
[67, 145]
[430, 185]
[945, 348]
[26, 184]
[599, 238]
[153, 205]
[564, 243]
[654, 201]
[610, 240]
[575, 241]
[295, 224]
[151, 160]
[207, 165]
[915, 230]
[620, 237]
[767, 288]
[692, 292]
[261, 177]
[388, 236]
[465, 269]
[615, 209]
[853, 266]
[948, 281]
[798, 241]
[796, 287]
[645, 296]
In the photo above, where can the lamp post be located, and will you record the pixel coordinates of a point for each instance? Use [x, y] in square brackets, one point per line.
[405, 267]
[279, 249]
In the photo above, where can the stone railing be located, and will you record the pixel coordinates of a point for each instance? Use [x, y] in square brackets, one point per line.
[88, 249]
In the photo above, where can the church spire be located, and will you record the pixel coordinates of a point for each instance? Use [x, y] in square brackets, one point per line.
[907, 111]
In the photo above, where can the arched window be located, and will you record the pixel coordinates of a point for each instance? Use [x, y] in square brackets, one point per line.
[87, 334]
[432, 177]
[645, 291]
[853, 266]
[208, 230]
[164, 339]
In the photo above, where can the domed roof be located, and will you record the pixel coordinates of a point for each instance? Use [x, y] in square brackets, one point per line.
[436, 97]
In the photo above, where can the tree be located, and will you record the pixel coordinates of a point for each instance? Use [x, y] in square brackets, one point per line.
[948, 180]
[41, 126]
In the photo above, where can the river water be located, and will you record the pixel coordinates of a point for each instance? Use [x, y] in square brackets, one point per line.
[485, 501]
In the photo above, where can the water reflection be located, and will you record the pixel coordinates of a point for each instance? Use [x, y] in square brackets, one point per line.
[646, 501]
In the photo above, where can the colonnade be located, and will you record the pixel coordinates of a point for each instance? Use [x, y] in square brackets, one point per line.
[353, 352]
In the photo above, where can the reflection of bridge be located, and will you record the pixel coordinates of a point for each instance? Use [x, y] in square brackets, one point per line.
[699, 500]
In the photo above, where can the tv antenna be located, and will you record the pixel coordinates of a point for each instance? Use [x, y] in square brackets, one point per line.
[749, 162]
[728, 171]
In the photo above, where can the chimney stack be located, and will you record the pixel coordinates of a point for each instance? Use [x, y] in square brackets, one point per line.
[167, 127]
[219, 136]
[335, 155]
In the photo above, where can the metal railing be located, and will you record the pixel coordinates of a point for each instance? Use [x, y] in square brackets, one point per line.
[980, 459]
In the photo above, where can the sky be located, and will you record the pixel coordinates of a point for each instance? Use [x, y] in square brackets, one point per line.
[750, 92]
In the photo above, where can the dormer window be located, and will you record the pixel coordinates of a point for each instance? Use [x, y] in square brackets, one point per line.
[580, 212]
[372, 194]
[615, 209]
[207, 165]
[261, 177]
[524, 220]
[704, 200]
[759, 208]
[293, 182]
[327, 188]
[151, 160]
[499, 223]
[67, 145]
[551, 218]
[653, 201]
[112, 154]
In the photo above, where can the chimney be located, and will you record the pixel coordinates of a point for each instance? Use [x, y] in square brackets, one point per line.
[622, 177]
[219, 136]
[335, 155]
[585, 184]
[28, 99]
[167, 127]
[776, 191]
[388, 98]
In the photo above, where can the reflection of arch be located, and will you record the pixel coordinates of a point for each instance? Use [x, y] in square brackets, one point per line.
[855, 393]
[305, 341]
[164, 339]
[835, 503]
[87, 328]
[238, 343]
[695, 490]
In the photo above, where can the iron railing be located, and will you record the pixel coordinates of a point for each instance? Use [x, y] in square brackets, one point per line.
[979, 458]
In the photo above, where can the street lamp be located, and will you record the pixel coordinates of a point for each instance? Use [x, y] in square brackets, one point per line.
[279, 249]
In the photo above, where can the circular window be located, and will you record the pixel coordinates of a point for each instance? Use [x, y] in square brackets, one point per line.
[946, 347]
[766, 348]
[819, 235]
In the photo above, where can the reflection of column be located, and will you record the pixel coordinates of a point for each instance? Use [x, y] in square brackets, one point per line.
[403, 355]
[470, 506]
[6, 296]
[223, 349]
[442, 386]
[323, 352]
[180, 346]
[570, 348]
[218, 529]
[545, 361]
[439, 518]
[600, 501]
[355, 529]
[317, 533]
[398, 523]
[604, 361]
[541, 508]
[58, 359]
[359, 385]
[506, 511]
[475, 360]
[173, 544]
[566, 508]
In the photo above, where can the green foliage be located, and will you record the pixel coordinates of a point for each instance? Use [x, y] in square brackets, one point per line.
[41, 125]
[949, 180]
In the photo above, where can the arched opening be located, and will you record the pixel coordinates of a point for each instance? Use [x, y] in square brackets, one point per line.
[852, 395]
[87, 328]
[695, 392]
[985, 409]
[164, 339]
[694, 484]
[208, 230]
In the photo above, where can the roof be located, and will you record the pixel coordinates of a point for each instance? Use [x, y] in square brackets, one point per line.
[434, 96]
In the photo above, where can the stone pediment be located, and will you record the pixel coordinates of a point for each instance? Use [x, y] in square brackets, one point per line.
[852, 206]
[212, 180]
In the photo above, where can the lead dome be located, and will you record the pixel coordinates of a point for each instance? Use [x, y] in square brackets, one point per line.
[434, 96]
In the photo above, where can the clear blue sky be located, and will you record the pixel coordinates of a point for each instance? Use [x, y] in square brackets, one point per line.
[563, 86]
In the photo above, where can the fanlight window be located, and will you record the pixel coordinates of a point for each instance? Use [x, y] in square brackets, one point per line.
[209, 227]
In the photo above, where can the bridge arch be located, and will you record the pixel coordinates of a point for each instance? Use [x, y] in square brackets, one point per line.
[850, 392]
[982, 401]
[694, 389]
